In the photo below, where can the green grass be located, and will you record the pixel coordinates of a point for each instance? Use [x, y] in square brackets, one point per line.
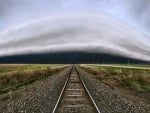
[15, 86]
[138, 85]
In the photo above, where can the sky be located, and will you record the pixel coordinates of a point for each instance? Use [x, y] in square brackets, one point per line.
[100, 26]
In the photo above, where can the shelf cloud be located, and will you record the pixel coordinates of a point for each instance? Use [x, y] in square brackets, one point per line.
[101, 26]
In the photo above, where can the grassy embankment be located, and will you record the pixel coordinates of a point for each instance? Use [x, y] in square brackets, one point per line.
[13, 76]
[131, 78]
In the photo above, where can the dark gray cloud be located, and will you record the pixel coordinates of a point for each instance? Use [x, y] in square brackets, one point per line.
[77, 33]
[111, 26]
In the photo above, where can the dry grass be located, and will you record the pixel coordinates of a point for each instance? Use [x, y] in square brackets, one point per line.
[135, 79]
[24, 74]
[4, 68]
[133, 83]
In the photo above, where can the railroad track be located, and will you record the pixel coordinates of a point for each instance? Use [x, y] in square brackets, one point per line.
[75, 97]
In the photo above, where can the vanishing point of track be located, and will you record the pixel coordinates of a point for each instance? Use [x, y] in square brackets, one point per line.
[75, 97]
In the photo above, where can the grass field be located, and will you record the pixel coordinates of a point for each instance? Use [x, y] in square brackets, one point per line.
[135, 66]
[132, 65]
[13, 76]
[134, 78]
[23, 67]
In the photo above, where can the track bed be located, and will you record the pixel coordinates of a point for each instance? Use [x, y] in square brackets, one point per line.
[75, 98]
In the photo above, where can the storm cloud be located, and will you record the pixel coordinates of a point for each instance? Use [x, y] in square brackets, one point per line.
[101, 26]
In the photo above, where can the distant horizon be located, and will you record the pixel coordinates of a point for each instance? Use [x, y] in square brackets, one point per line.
[70, 58]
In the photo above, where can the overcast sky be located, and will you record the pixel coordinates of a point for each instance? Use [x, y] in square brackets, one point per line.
[108, 26]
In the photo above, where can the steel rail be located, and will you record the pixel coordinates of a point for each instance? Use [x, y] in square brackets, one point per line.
[59, 98]
[89, 94]
[86, 89]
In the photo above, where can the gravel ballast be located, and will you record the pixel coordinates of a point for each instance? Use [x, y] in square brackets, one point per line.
[111, 100]
[39, 97]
